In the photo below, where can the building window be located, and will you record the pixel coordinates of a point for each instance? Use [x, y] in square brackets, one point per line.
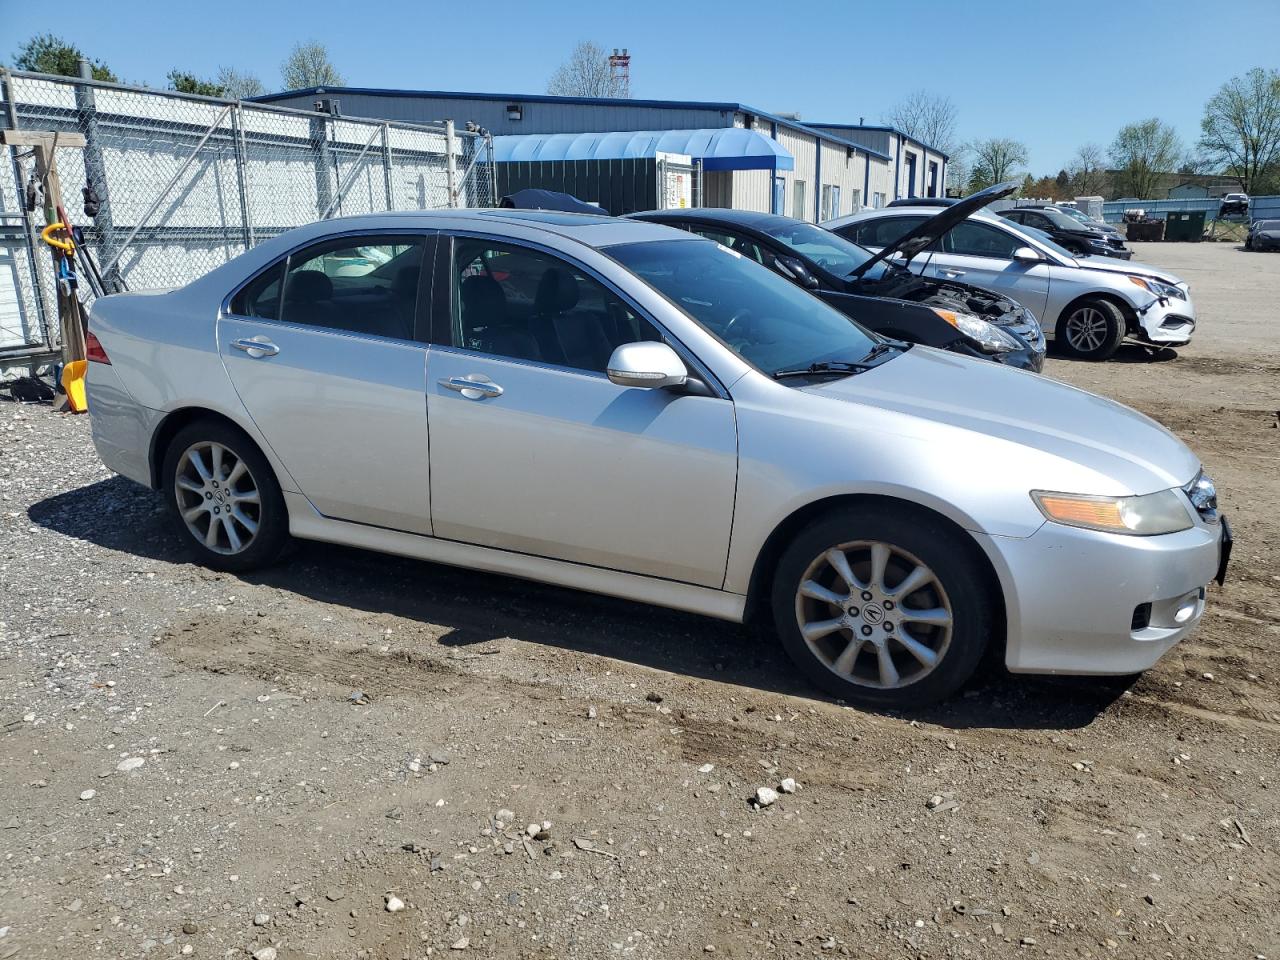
[857, 201]
[878, 200]
[797, 200]
[830, 202]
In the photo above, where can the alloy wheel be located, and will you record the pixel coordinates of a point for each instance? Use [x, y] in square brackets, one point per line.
[1087, 329]
[874, 614]
[218, 497]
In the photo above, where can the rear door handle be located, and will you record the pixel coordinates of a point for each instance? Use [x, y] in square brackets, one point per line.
[474, 387]
[256, 347]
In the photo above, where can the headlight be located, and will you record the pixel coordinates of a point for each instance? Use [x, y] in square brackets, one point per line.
[986, 335]
[1099, 242]
[1145, 516]
[1160, 289]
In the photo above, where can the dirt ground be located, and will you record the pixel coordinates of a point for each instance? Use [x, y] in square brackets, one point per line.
[201, 764]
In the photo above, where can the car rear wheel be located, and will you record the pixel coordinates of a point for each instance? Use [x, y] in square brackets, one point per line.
[224, 497]
[882, 610]
[1091, 329]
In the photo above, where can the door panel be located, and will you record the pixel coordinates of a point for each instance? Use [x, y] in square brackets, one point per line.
[345, 413]
[566, 464]
[978, 253]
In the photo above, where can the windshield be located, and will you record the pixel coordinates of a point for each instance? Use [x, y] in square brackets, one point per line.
[1074, 214]
[828, 250]
[767, 320]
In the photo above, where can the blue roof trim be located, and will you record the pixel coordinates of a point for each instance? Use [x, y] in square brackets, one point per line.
[719, 148]
[879, 127]
[722, 107]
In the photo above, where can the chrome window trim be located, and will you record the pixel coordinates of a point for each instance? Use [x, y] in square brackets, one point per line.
[685, 354]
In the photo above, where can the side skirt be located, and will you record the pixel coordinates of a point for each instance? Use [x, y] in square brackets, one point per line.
[306, 523]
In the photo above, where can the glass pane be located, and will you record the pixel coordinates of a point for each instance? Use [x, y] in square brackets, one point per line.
[364, 285]
[514, 302]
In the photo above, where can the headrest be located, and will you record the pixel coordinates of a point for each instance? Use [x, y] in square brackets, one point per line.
[557, 292]
[309, 286]
[483, 299]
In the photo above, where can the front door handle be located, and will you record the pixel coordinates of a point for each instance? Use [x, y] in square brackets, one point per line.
[474, 387]
[952, 274]
[256, 347]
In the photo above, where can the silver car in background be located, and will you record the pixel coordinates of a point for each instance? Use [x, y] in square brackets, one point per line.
[630, 409]
[1090, 305]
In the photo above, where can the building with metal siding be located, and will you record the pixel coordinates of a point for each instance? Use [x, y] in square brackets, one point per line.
[919, 170]
[830, 169]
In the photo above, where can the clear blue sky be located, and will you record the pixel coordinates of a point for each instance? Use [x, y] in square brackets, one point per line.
[1051, 73]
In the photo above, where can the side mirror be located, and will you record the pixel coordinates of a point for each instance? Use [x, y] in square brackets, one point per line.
[795, 270]
[646, 364]
[1026, 255]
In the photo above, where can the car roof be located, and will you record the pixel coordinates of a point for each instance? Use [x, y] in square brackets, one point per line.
[594, 230]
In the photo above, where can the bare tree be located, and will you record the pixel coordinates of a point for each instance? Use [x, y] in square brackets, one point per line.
[308, 65]
[1142, 154]
[239, 84]
[995, 160]
[586, 74]
[1240, 130]
[1088, 171]
[931, 119]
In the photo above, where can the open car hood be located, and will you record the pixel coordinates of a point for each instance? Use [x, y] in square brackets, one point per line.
[924, 235]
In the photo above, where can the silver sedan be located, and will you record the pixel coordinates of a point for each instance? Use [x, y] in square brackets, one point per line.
[632, 410]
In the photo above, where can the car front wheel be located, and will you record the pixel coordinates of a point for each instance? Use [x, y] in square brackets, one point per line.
[1091, 329]
[883, 610]
[224, 497]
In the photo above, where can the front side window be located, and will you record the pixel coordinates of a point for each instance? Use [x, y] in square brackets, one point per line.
[514, 302]
[881, 232]
[769, 321]
[365, 285]
[975, 239]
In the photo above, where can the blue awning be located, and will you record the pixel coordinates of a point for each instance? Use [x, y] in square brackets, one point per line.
[721, 148]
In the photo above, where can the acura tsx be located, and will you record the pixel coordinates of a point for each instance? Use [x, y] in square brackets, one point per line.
[630, 409]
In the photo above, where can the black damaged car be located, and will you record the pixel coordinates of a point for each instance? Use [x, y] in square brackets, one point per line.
[871, 288]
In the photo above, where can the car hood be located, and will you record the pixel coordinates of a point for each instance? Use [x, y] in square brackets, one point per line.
[924, 235]
[1111, 265]
[1130, 453]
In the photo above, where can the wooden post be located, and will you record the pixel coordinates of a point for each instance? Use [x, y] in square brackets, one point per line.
[44, 146]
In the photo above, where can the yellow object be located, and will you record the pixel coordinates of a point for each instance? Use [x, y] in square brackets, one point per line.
[1097, 512]
[73, 382]
[52, 241]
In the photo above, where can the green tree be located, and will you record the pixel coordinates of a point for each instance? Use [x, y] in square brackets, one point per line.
[1142, 155]
[995, 160]
[185, 82]
[46, 53]
[308, 65]
[1240, 130]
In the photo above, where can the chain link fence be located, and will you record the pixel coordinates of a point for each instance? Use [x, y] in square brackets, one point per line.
[185, 183]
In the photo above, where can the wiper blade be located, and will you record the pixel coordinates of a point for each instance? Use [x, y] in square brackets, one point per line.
[880, 349]
[837, 367]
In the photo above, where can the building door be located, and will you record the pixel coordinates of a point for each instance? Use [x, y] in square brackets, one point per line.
[933, 179]
[911, 175]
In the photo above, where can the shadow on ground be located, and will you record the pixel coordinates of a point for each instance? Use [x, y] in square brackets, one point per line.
[1128, 353]
[477, 608]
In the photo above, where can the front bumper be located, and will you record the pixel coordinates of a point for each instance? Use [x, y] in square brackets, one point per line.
[1076, 600]
[1167, 322]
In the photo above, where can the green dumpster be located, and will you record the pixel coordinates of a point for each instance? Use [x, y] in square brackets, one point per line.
[1184, 225]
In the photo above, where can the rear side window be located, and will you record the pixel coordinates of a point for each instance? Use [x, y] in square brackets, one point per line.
[367, 285]
[980, 240]
[881, 232]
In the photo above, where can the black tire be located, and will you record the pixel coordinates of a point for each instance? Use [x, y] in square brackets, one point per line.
[268, 514]
[912, 538]
[1091, 329]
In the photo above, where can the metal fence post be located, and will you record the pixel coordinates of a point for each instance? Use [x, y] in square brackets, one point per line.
[242, 180]
[450, 165]
[493, 169]
[320, 139]
[95, 169]
[386, 165]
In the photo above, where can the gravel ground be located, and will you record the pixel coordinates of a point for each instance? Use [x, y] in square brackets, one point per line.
[352, 755]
